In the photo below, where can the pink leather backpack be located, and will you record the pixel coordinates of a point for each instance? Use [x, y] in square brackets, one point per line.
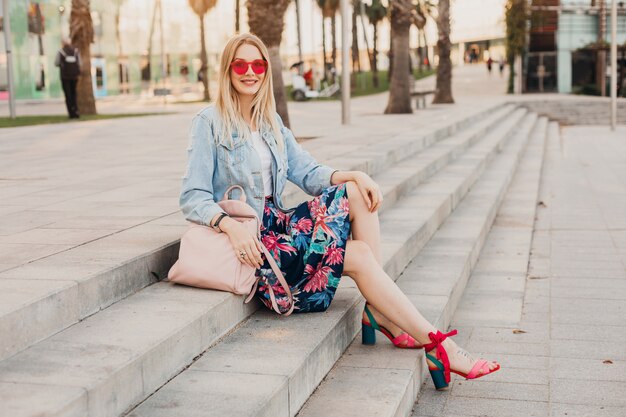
[206, 258]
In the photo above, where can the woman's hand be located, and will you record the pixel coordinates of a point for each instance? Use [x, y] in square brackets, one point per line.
[369, 190]
[243, 240]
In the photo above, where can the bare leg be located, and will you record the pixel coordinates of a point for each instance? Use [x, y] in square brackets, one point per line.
[382, 292]
[365, 227]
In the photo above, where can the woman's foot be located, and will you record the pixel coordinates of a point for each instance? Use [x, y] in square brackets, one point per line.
[398, 337]
[445, 356]
[462, 361]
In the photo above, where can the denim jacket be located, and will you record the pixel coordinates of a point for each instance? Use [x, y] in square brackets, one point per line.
[213, 167]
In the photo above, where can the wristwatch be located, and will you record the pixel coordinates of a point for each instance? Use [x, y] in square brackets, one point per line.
[216, 225]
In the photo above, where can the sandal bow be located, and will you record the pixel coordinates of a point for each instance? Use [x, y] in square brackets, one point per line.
[436, 341]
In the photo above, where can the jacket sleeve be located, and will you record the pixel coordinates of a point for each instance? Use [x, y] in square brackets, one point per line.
[304, 171]
[196, 196]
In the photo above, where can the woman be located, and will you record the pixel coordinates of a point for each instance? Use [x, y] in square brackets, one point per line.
[241, 140]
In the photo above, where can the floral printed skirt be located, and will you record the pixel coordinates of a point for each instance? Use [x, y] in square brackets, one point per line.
[308, 244]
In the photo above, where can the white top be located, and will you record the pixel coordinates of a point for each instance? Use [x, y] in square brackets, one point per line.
[266, 161]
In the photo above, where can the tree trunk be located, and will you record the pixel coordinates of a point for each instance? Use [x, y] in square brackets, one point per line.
[279, 86]
[204, 67]
[237, 7]
[333, 29]
[375, 58]
[399, 86]
[443, 89]
[356, 67]
[324, 48]
[266, 19]
[81, 33]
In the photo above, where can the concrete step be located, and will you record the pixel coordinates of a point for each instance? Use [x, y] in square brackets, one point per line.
[382, 380]
[46, 296]
[118, 354]
[270, 365]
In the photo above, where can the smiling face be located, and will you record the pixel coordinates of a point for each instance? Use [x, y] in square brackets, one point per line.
[248, 83]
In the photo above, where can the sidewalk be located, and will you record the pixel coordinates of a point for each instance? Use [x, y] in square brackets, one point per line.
[558, 330]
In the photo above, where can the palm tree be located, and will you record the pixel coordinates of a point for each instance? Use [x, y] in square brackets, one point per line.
[401, 16]
[443, 88]
[329, 10]
[201, 7]
[375, 13]
[81, 34]
[424, 9]
[237, 9]
[356, 62]
[266, 19]
[322, 5]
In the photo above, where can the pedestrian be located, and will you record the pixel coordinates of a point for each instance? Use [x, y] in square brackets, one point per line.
[68, 60]
[501, 65]
[489, 64]
[241, 140]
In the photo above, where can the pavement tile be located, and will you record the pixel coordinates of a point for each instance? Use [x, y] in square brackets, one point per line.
[588, 332]
[577, 410]
[565, 348]
[588, 369]
[489, 407]
[500, 390]
[602, 393]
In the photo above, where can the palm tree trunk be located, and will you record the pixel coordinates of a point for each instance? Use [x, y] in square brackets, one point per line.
[333, 29]
[279, 85]
[400, 86]
[443, 89]
[237, 7]
[324, 48]
[375, 58]
[81, 33]
[266, 19]
[204, 68]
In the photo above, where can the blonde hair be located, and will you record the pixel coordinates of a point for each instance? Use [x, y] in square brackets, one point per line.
[227, 103]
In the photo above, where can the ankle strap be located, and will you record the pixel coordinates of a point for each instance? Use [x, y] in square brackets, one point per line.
[371, 318]
[437, 339]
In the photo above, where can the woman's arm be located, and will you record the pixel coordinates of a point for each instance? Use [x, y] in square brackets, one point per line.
[304, 170]
[196, 196]
[367, 187]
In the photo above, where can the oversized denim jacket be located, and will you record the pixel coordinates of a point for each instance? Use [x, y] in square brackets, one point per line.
[213, 167]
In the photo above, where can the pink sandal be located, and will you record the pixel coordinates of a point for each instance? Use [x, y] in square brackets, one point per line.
[441, 373]
[402, 341]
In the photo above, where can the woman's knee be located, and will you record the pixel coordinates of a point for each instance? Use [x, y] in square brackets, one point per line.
[357, 257]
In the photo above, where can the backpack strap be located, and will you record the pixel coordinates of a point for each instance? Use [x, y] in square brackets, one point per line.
[281, 280]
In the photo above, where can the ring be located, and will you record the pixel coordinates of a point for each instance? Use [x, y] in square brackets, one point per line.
[242, 254]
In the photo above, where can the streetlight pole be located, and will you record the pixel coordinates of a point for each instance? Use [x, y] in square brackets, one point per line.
[345, 60]
[7, 41]
[613, 64]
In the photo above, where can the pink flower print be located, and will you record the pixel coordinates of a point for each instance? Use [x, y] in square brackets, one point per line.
[303, 225]
[344, 207]
[267, 210]
[334, 255]
[318, 278]
[320, 221]
[280, 217]
[270, 240]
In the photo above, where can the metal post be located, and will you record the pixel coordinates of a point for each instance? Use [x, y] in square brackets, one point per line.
[345, 60]
[7, 41]
[614, 65]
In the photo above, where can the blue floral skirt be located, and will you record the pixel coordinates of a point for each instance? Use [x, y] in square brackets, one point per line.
[308, 244]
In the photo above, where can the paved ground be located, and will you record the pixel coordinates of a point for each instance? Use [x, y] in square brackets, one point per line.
[570, 359]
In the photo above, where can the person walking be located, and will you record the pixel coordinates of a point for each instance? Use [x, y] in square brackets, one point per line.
[68, 60]
[489, 64]
[241, 140]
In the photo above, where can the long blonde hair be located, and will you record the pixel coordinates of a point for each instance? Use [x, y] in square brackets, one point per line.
[227, 103]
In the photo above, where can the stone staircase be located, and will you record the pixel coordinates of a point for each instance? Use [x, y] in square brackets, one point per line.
[119, 341]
